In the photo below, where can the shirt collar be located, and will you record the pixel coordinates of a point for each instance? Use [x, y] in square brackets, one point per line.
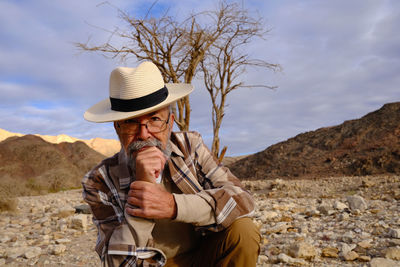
[175, 150]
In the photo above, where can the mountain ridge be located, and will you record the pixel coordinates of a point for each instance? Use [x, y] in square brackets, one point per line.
[365, 146]
[107, 147]
[30, 164]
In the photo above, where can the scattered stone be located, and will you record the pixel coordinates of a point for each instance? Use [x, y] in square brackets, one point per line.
[280, 227]
[367, 183]
[395, 233]
[269, 215]
[326, 210]
[302, 250]
[32, 252]
[365, 243]
[65, 212]
[15, 252]
[364, 258]
[357, 203]
[347, 248]
[46, 231]
[312, 211]
[288, 218]
[344, 216]
[340, 205]
[330, 252]
[348, 237]
[393, 254]
[57, 249]
[25, 222]
[62, 227]
[45, 221]
[381, 262]
[289, 260]
[394, 242]
[79, 222]
[262, 259]
[84, 209]
[63, 241]
[5, 239]
[36, 210]
[350, 256]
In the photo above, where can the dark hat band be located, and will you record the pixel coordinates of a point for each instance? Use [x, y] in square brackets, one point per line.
[147, 101]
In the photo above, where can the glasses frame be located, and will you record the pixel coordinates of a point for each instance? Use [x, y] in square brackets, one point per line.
[147, 128]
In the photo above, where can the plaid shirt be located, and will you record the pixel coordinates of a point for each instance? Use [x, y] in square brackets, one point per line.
[194, 171]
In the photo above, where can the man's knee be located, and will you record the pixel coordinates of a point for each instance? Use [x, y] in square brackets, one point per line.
[244, 233]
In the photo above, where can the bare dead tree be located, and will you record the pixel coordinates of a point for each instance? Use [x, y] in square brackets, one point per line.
[175, 47]
[226, 61]
[211, 42]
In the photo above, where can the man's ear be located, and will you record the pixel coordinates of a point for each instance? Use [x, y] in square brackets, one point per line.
[171, 121]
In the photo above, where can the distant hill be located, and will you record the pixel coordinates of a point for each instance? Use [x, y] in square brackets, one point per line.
[369, 145]
[107, 147]
[31, 161]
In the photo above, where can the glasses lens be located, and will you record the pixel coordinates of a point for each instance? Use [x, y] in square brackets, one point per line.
[156, 126]
[129, 128]
[132, 128]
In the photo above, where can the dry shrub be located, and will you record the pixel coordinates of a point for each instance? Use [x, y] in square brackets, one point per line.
[8, 203]
[8, 192]
[51, 181]
[58, 179]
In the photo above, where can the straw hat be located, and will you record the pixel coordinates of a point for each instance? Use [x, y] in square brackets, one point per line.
[135, 92]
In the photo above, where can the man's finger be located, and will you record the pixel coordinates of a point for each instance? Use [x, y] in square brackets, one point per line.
[134, 201]
[135, 212]
[139, 185]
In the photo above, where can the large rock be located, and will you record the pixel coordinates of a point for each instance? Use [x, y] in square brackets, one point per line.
[350, 256]
[32, 252]
[79, 222]
[302, 250]
[84, 208]
[326, 209]
[393, 254]
[346, 248]
[340, 205]
[289, 260]
[15, 252]
[357, 203]
[57, 249]
[381, 262]
[330, 252]
[395, 233]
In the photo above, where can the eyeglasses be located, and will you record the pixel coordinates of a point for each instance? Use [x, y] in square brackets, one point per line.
[132, 127]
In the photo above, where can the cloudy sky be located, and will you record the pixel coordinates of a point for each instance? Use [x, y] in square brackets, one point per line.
[340, 59]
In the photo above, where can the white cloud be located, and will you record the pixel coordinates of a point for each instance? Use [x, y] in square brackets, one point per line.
[340, 58]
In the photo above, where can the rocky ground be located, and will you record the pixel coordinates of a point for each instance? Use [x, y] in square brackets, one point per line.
[347, 221]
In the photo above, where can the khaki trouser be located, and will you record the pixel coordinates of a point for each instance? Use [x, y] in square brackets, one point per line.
[238, 245]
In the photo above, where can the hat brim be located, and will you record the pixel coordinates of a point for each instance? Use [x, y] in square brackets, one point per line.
[102, 112]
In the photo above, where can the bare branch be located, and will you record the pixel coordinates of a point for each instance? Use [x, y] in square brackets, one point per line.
[213, 42]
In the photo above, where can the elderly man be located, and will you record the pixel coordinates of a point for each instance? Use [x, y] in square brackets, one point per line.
[163, 199]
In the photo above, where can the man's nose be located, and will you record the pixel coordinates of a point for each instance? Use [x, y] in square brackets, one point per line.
[143, 132]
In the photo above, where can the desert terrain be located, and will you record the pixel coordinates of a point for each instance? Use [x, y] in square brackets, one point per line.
[342, 221]
[329, 197]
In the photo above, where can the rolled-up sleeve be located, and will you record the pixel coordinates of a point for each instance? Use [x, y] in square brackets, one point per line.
[223, 192]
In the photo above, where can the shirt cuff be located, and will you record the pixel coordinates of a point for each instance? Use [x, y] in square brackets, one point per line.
[193, 209]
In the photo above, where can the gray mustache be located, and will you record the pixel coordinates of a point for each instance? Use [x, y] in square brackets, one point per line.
[137, 145]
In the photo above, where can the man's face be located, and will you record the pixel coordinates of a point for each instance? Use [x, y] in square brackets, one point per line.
[127, 135]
